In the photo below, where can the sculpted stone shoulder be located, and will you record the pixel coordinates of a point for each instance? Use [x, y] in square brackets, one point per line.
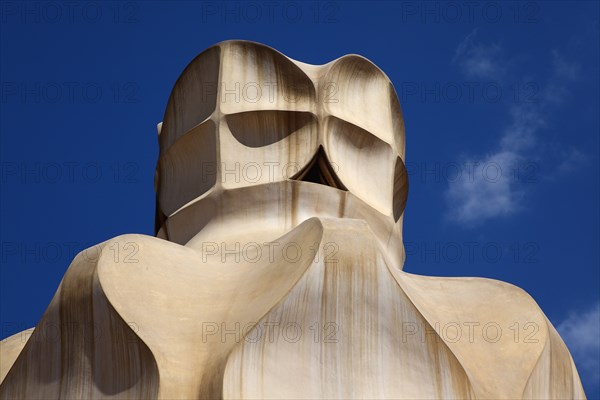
[499, 335]
[174, 322]
[277, 270]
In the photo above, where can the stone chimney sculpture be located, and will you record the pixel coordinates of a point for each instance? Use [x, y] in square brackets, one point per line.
[276, 270]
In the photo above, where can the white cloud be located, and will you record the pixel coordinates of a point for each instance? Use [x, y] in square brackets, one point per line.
[494, 187]
[520, 135]
[581, 333]
[480, 195]
[488, 190]
[564, 68]
[573, 160]
[478, 60]
[564, 73]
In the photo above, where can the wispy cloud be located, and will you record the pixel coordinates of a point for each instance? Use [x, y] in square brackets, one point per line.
[478, 60]
[521, 135]
[564, 68]
[572, 161]
[494, 188]
[483, 196]
[581, 332]
[564, 74]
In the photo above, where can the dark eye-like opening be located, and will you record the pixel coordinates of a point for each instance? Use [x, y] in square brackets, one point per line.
[319, 170]
[400, 188]
[262, 128]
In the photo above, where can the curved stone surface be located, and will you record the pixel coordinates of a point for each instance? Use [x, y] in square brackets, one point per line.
[10, 348]
[82, 348]
[277, 267]
[272, 117]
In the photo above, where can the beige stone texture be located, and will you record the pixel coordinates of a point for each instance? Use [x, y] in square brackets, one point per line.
[277, 267]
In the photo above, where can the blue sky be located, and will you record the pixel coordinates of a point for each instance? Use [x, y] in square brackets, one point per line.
[501, 105]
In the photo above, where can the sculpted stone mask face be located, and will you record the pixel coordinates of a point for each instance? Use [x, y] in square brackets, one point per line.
[251, 133]
[260, 154]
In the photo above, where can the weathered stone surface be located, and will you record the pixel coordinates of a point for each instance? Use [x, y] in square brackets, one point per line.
[277, 267]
